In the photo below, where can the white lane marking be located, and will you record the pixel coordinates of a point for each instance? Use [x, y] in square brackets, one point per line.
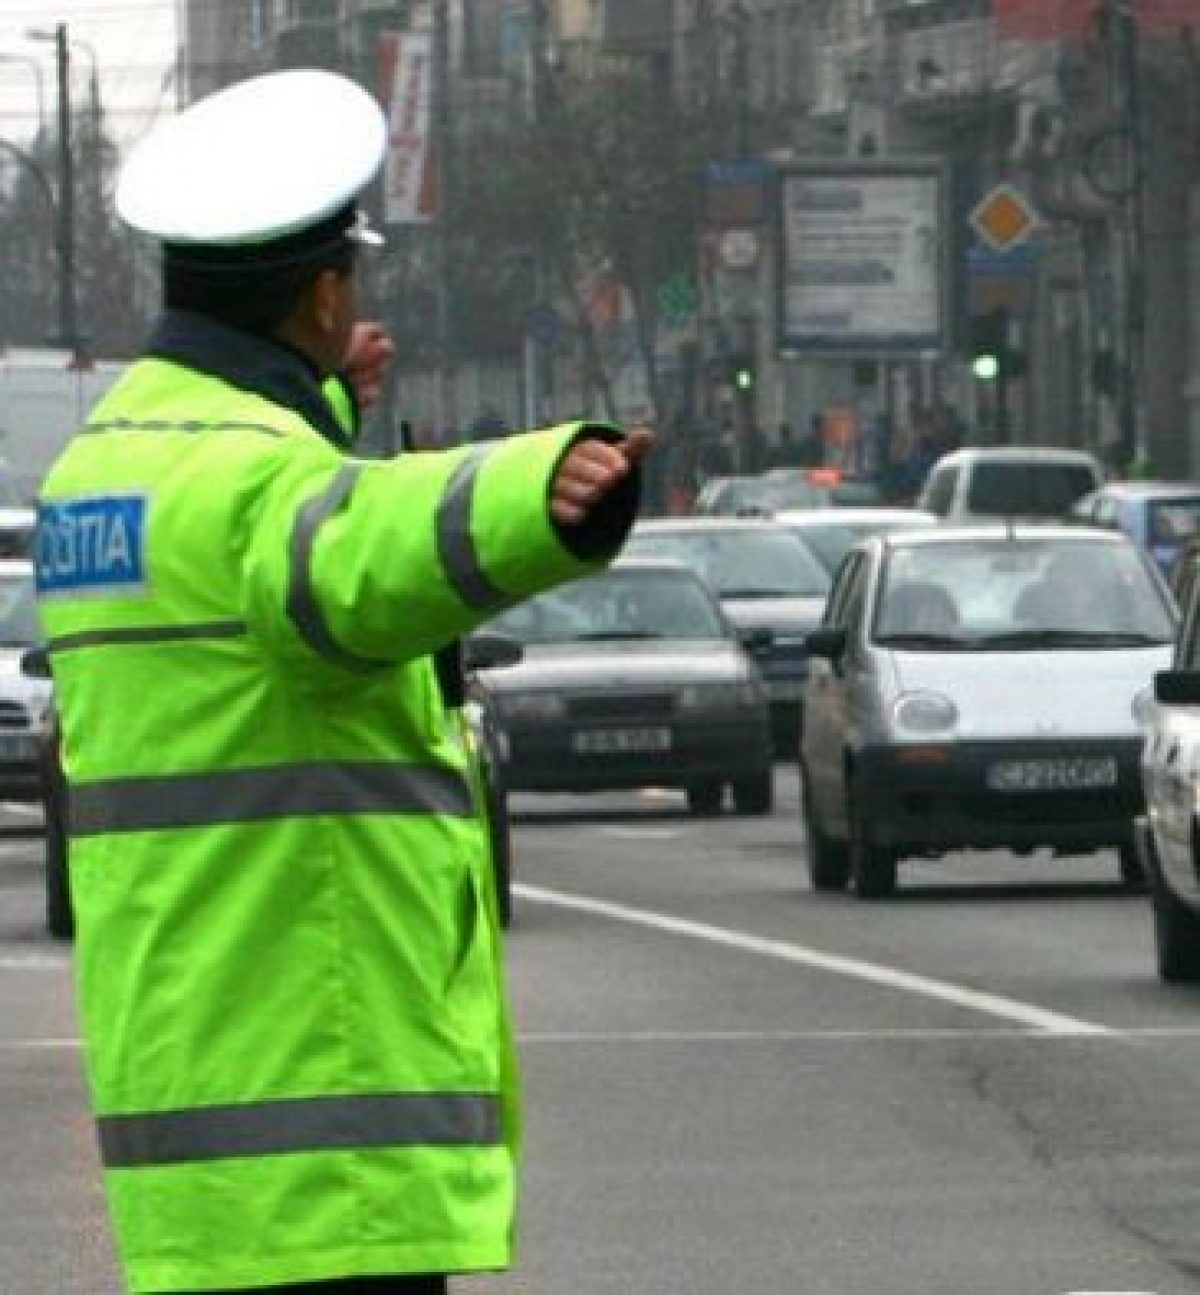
[641, 833]
[33, 962]
[537, 1038]
[1026, 1014]
[38, 1045]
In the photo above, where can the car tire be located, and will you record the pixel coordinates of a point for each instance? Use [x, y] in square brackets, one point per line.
[1133, 877]
[705, 797]
[873, 868]
[60, 915]
[828, 860]
[1176, 936]
[754, 795]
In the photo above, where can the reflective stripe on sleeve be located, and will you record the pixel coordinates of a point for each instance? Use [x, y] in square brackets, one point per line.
[254, 795]
[302, 605]
[456, 547]
[147, 634]
[300, 1125]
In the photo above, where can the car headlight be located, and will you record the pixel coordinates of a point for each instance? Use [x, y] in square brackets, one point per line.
[530, 706]
[924, 713]
[718, 696]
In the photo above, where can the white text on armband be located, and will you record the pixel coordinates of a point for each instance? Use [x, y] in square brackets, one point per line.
[92, 545]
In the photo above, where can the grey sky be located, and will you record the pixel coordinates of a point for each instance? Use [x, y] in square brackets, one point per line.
[133, 42]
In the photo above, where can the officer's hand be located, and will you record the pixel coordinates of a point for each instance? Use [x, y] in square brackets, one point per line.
[367, 358]
[590, 470]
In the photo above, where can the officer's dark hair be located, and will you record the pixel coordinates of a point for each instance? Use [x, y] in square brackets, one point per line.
[256, 287]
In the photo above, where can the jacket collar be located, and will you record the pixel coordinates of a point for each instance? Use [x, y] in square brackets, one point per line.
[261, 365]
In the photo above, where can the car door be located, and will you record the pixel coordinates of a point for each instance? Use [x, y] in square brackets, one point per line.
[826, 709]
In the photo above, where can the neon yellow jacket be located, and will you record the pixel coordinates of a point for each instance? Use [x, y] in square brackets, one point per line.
[288, 961]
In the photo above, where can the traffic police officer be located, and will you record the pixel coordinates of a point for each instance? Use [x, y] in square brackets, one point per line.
[288, 962]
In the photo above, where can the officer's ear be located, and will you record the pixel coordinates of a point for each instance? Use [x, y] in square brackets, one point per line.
[327, 300]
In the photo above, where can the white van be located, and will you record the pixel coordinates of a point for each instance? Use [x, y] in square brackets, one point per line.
[1021, 481]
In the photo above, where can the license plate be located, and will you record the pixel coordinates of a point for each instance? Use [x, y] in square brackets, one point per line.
[621, 741]
[1066, 773]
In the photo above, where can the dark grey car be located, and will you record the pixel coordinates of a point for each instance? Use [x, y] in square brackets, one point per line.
[632, 678]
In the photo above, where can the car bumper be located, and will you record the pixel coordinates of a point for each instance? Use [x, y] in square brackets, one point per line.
[942, 796]
[569, 758]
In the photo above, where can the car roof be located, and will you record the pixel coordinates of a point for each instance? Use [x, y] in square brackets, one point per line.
[638, 563]
[1019, 454]
[853, 513]
[1150, 489]
[16, 567]
[648, 524]
[998, 531]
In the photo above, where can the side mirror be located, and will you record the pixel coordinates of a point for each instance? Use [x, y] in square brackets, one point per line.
[486, 649]
[1177, 687]
[35, 663]
[828, 642]
[757, 640]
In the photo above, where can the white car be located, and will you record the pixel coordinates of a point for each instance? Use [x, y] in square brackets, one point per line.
[25, 702]
[1009, 481]
[979, 688]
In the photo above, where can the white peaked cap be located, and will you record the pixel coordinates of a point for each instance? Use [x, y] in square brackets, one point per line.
[262, 159]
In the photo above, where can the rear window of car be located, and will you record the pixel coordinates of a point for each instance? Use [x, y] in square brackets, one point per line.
[1027, 489]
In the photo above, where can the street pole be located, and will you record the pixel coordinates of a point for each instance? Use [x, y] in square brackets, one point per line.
[443, 133]
[68, 324]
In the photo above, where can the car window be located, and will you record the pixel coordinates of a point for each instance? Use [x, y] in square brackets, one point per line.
[740, 563]
[940, 493]
[1105, 512]
[1172, 521]
[1023, 593]
[1026, 489]
[19, 625]
[846, 593]
[666, 605]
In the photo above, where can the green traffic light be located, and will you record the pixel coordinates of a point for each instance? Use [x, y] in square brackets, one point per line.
[744, 379]
[985, 367]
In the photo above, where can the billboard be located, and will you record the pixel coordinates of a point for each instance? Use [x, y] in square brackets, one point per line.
[862, 258]
[409, 176]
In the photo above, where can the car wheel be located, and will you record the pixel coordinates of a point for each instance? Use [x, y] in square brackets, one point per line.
[1176, 936]
[1133, 878]
[705, 797]
[60, 917]
[754, 795]
[828, 860]
[872, 867]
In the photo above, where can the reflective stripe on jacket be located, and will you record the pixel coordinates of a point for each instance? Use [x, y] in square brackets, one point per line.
[288, 960]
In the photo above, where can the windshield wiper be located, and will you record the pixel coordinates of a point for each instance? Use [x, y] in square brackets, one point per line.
[924, 639]
[1063, 638]
[598, 636]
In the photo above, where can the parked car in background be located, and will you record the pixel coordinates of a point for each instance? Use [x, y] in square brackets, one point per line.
[845, 491]
[759, 495]
[25, 702]
[831, 532]
[17, 527]
[977, 687]
[1168, 833]
[768, 580]
[632, 678]
[1019, 482]
[1161, 516]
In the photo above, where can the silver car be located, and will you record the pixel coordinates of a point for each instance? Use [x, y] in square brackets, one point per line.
[977, 688]
[632, 678]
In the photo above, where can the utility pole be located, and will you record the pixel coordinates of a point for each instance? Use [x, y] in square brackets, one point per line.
[68, 324]
[443, 134]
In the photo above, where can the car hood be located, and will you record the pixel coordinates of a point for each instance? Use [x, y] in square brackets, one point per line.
[775, 613]
[619, 664]
[1008, 694]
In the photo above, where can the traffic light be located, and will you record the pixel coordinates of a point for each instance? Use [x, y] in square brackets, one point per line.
[740, 372]
[994, 354]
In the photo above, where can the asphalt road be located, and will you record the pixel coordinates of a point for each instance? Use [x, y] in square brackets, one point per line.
[735, 1085]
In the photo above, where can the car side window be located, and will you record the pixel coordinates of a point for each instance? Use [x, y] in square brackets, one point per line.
[940, 495]
[1104, 512]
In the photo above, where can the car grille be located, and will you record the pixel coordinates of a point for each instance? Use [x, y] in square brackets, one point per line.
[610, 706]
[14, 716]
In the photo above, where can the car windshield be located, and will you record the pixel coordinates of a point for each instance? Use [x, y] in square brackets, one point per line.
[19, 626]
[617, 605]
[1027, 489]
[741, 563]
[1018, 594]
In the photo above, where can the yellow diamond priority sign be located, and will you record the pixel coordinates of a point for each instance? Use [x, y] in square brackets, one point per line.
[1003, 218]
